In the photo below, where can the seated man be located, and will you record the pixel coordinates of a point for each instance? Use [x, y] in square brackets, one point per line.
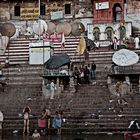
[1, 119]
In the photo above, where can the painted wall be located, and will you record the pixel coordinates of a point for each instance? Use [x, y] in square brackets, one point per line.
[105, 15]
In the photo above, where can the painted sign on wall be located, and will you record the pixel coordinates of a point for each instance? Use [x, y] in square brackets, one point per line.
[29, 13]
[102, 5]
[56, 15]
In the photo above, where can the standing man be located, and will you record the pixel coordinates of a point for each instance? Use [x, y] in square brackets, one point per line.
[52, 89]
[115, 42]
[136, 41]
[1, 120]
[93, 70]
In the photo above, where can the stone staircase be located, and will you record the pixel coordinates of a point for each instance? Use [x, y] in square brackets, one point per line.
[91, 109]
[23, 87]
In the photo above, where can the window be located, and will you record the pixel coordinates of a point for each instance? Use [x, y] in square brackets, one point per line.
[96, 33]
[42, 9]
[109, 33]
[117, 12]
[17, 10]
[67, 8]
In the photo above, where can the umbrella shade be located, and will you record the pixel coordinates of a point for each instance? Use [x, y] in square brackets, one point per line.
[8, 29]
[89, 44]
[125, 57]
[57, 61]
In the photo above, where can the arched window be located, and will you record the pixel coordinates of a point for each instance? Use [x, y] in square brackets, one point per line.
[96, 33]
[122, 32]
[109, 33]
[117, 12]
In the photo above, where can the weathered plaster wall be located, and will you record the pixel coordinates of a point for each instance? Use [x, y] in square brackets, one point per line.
[79, 9]
[132, 12]
[4, 11]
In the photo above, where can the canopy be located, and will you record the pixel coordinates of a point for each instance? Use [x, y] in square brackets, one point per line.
[125, 57]
[57, 61]
[8, 29]
[89, 44]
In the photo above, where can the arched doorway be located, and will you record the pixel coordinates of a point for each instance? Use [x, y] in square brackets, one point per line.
[117, 12]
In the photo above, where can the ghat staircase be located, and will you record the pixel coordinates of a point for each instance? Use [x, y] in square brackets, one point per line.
[91, 109]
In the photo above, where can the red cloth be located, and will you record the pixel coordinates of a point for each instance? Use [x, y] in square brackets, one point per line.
[42, 123]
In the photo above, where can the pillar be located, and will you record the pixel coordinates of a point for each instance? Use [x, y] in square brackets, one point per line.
[139, 83]
[72, 85]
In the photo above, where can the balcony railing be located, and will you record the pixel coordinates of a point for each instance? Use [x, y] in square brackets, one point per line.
[57, 73]
[135, 69]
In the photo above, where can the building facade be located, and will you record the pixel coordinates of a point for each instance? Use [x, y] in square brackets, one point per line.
[100, 19]
[109, 22]
[23, 13]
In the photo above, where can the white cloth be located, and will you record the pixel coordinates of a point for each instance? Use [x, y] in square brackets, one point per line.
[3, 43]
[136, 40]
[64, 72]
[115, 41]
[97, 44]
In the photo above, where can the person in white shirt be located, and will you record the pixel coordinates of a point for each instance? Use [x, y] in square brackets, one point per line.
[136, 40]
[52, 89]
[115, 42]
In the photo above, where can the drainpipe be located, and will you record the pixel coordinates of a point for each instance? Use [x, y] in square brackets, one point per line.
[39, 17]
[139, 84]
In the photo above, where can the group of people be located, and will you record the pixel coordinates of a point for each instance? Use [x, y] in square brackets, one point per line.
[115, 43]
[85, 73]
[44, 121]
